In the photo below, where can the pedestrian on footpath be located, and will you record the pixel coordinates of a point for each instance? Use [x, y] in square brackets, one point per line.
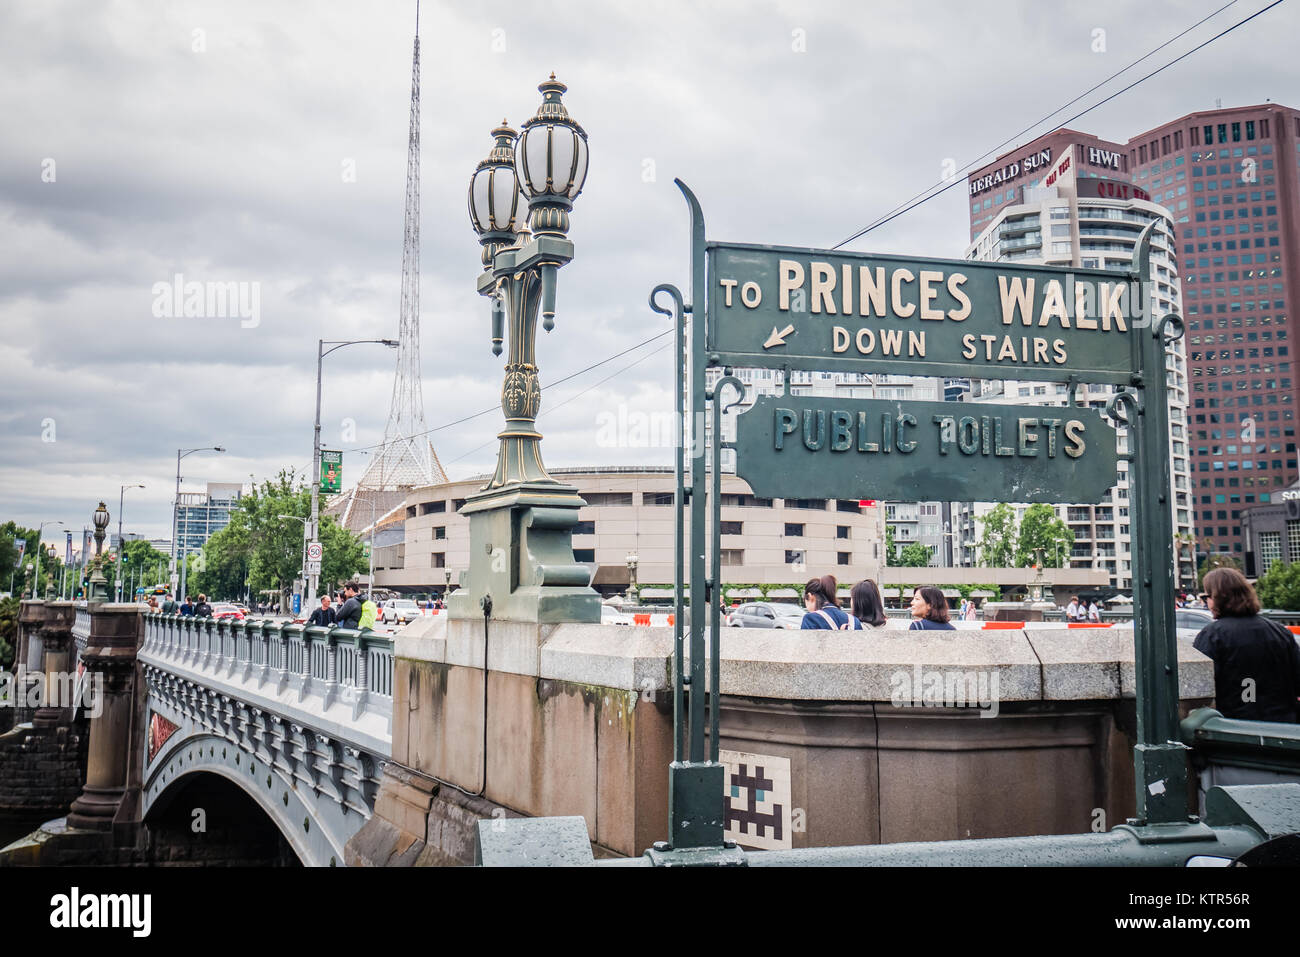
[169, 606]
[203, 609]
[187, 609]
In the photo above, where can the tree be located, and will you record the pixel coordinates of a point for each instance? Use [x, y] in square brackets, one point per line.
[9, 608]
[891, 550]
[1218, 560]
[998, 538]
[261, 551]
[915, 555]
[1280, 587]
[1041, 529]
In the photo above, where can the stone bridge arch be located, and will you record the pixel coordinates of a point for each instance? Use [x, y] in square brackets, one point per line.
[303, 818]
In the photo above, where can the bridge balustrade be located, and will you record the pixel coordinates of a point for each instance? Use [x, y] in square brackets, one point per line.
[340, 664]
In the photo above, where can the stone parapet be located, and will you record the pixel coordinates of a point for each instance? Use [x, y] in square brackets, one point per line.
[1032, 664]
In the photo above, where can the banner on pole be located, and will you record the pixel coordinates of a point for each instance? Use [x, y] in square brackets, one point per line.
[331, 471]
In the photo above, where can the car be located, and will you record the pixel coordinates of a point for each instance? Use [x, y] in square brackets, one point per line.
[229, 612]
[399, 611]
[1191, 621]
[766, 614]
[612, 616]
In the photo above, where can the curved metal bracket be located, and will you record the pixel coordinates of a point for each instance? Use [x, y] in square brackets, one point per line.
[1179, 328]
[1141, 267]
[1123, 408]
[736, 384]
[675, 294]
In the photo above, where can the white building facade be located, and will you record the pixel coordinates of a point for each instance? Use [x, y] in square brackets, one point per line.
[1091, 223]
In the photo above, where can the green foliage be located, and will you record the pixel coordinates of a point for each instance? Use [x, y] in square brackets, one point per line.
[261, 551]
[998, 541]
[915, 555]
[1042, 529]
[9, 608]
[1219, 560]
[1280, 587]
[891, 550]
[50, 570]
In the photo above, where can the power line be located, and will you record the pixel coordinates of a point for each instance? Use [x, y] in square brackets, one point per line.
[918, 199]
[576, 395]
[572, 375]
[943, 188]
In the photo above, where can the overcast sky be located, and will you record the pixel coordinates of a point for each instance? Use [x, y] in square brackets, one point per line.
[215, 140]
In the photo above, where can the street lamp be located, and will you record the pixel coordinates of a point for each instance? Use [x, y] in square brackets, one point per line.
[177, 548]
[311, 528]
[50, 553]
[303, 555]
[631, 574]
[37, 552]
[98, 584]
[121, 499]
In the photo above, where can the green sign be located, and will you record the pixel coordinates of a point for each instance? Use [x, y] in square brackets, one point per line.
[331, 471]
[806, 447]
[834, 311]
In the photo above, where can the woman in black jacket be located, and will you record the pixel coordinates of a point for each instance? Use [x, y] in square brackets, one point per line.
[1256, 661]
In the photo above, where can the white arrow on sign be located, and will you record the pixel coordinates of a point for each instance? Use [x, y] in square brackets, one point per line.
[778, 338]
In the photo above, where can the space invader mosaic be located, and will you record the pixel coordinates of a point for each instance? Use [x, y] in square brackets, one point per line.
[756, 806]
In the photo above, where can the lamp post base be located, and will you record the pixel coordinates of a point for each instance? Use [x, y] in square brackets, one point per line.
[521, 555]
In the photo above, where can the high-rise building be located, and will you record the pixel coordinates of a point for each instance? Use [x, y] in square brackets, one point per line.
[1067, 199]
[200, 515]
[1232, 178]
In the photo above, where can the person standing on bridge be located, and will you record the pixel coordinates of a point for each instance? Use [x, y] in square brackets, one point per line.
[1256, 661]
[170, 607]
[187, 609]
[324, 615]
[349, 615]
[203, 609]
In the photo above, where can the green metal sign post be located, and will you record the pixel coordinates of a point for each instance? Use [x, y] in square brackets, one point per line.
[788, 308]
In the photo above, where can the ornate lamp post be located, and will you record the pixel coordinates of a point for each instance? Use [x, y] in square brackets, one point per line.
[36, 551]
[521, 522]
[51, 553]
[98, 583]
[631, 575]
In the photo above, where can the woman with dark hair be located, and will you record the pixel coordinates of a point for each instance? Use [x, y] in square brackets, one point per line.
[929, 610]
[1256, 661]
[866, 604]
[823, 608]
